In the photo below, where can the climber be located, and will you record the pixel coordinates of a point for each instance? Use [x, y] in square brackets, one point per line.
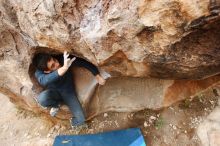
[54, 73]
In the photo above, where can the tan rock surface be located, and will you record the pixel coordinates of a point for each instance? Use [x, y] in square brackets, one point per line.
[209, 130]
[168, 40]
[19, 129]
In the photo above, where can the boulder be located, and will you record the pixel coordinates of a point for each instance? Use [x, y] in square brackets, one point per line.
[157, 52]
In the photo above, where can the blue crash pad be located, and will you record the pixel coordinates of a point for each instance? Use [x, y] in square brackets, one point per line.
[127, 137]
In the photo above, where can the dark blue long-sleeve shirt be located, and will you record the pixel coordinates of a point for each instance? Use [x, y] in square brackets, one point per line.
[63, 83]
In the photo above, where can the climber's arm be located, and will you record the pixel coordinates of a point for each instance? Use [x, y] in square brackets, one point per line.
[46, 79]
[91, 67]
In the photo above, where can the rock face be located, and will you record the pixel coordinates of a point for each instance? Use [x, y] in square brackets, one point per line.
[147, 46]
[209, 130]
[133, 94]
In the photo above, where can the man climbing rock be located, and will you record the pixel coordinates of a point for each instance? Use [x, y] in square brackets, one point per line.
[54, 73]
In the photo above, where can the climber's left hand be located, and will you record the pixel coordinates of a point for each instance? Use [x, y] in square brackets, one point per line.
[100, 79]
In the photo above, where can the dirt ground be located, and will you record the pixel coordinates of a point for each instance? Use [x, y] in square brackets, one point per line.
[172, 126]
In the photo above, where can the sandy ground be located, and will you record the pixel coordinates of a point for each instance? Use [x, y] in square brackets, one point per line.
[172, 126]
[20, 128]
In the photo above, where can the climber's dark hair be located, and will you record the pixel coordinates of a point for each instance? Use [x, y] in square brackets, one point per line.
[40, 61]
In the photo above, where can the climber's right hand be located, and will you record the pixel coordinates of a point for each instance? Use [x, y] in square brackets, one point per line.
[67, 61]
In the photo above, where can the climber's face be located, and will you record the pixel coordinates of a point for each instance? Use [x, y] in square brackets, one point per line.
[52, 65]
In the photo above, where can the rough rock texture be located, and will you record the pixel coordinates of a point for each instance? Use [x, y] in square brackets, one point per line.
[133, 94]
[164, 39]
[209, 130]
[26, 129]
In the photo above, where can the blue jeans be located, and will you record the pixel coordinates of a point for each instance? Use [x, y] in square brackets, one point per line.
[52, 98]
